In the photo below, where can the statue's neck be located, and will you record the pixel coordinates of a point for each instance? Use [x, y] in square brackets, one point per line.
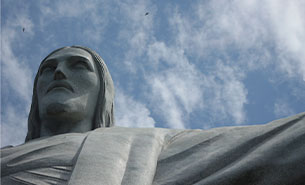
[55, 127]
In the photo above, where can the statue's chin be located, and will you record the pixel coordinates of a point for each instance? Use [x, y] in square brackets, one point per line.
[64, 111]
[57, 109]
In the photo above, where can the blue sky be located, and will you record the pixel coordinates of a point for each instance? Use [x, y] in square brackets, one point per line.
[189, 64]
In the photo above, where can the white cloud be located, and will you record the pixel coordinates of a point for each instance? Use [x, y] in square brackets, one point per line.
[90, 18]
[271, 35]
[288, 21]
[249, 26]
[166, 104]
[282, 109]
[13, 126]
[183, 87]
[137, 30]
[131, 113]
[176, 91]
[16, 72]
[16, 77]
[69, 8]
[227, 94]
[222, 27]
[177, 87]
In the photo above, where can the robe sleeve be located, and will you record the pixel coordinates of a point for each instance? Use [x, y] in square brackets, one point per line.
[273, 153]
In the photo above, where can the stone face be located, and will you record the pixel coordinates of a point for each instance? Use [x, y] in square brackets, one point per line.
[65, 146]
[73, 93]
[67, 89]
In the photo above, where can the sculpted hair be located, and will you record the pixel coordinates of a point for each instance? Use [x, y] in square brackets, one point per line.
[104, 111]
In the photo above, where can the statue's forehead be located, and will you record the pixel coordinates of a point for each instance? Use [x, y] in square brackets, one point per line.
[68, 52]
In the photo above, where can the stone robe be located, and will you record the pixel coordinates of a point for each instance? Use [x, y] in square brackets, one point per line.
[270, 154]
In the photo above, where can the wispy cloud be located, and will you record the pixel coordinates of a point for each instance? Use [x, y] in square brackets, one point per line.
[176, 85]
[226, 94]
[13, 125]
[16, 78]
[288, 21]
[235, 37]
[137, 30]
[131, 113]
[15, 70]
[175, 90]
[282, 109]
[87, 20]
[183, 89]
[276, 29]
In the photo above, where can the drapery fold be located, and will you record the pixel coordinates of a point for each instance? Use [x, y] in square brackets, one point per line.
[273, 153]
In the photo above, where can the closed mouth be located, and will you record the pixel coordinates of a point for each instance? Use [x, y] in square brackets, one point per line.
[60, 84]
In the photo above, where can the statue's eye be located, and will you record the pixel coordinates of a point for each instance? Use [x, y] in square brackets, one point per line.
[80, 65]
[46, 68]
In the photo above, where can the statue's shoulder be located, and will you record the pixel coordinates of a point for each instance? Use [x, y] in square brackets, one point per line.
[5, 147]
[119, 129]
[294, 118]
[175, 134]
[69, 139]
[139, 132]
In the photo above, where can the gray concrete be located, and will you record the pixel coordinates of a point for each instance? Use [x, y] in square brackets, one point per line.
[70, 140]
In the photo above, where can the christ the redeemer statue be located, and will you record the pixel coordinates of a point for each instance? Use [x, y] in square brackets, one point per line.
[71, 139]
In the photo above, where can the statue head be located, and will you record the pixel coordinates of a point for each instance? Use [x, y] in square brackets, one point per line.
[72, 84]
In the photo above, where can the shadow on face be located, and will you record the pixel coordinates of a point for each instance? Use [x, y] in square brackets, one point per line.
[68, 86]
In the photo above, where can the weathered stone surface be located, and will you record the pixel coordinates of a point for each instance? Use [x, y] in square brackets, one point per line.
[266, 154]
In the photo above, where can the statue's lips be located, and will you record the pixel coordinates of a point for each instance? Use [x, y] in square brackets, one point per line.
[60, 84]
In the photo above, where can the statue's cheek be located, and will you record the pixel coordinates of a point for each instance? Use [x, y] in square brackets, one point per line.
[87, 82]
[42, 85]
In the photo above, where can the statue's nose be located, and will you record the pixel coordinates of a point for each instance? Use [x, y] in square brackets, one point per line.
[59, 75]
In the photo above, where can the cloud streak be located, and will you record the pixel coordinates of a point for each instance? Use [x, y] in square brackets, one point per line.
[176, 90]
[176, 84]
[131, 113]
[16, 79]
[282, 109]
